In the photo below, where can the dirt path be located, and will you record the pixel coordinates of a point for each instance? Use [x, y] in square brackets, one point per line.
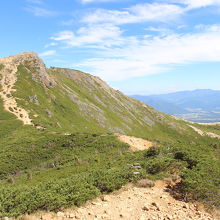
[8, 79]
[136, 144]
[204, 133]
[132, 203]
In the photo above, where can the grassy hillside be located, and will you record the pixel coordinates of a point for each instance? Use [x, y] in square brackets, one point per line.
[79, 102]
[45, 169]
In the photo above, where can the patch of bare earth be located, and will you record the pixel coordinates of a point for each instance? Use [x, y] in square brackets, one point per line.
[7, 82]
[136, 144]
[132, 202]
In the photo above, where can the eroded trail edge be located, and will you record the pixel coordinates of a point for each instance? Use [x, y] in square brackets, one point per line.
[8, 79]
[204, 133]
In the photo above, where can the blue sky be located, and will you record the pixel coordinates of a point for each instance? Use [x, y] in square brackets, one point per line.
[138, 47]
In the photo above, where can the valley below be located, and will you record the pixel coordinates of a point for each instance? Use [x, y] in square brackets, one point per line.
[201, 106]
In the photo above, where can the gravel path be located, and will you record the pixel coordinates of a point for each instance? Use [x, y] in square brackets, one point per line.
[132, 203]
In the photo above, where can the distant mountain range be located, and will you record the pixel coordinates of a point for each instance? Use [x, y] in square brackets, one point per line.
[202, 105]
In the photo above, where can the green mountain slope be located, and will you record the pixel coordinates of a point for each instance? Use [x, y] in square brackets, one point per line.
[65, 100]
[57, 148]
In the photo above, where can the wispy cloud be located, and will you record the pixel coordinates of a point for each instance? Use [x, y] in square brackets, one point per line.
[52, 44]
[47, 53]
[41, 12]
[120, 56]
[135, 14]
[91, 36]
[159, 11]
[155, 54]
[192, 4]
[160, 30]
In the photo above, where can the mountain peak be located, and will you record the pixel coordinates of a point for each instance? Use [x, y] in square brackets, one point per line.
[24, 57]
[31, 61]
[10, 72]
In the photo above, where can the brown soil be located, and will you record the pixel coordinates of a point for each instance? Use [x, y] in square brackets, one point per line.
[137, 144]
[132, 203]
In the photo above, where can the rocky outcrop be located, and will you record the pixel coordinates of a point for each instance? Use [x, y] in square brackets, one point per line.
[8, 80]
[36, 67]
[8, 74]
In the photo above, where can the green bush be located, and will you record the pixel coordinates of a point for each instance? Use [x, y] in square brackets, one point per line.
[51, 196]
[198, 165]
[152, 152]
[184, 156]
[203, 182]
[158, 165]
[84, 166]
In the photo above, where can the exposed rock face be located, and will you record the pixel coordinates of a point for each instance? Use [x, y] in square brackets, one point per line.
[9, 78]
[34, 99]
[40, 72]
[32, 60]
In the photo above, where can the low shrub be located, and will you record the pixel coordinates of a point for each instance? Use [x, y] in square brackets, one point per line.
[152, 152]
[203, 182]
[184, 156]
[158, 165]
[52, 196]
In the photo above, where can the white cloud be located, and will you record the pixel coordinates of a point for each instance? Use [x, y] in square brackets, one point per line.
[47, 53]
[52, 44]
[41, 12]
[212, 28]
[137, 13]
[161, 10]
[160, 30]
[121, 57]
[94, 35]
[156, 54]
[191, 4]
[119, 69]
